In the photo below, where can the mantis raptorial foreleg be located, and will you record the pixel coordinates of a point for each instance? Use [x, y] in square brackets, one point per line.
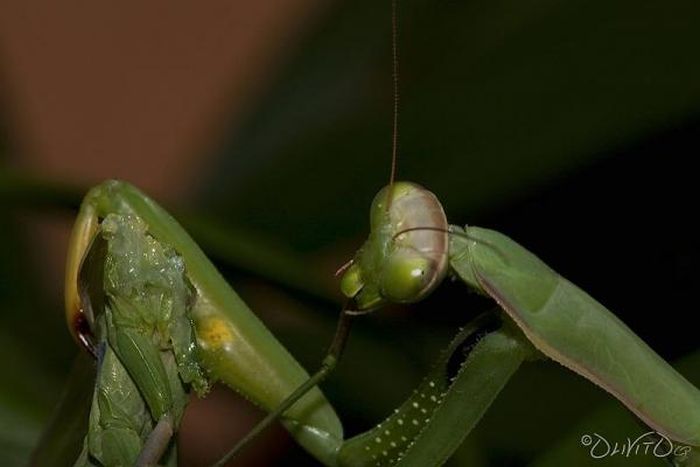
[328, 364]
[448, 403]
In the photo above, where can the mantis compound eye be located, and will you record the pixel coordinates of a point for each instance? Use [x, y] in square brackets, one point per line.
[406, 279]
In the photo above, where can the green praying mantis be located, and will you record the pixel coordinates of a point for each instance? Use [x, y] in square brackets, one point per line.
[161, 322]
[411, 249]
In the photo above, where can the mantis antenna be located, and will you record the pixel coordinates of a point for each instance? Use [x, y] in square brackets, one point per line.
[395, 78]
[450, 231]
[395, 83]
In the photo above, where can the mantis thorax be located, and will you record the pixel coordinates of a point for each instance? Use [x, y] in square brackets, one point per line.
[406, 253]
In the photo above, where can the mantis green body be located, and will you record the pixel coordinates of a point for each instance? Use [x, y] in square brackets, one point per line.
[170, 322]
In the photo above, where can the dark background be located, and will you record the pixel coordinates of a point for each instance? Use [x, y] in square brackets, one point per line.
[572, 127]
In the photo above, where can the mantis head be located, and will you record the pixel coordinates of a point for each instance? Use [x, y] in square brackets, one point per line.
[406, 253]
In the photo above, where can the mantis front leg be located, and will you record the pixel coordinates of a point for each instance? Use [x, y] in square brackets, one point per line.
[431, 424]
[441, 411]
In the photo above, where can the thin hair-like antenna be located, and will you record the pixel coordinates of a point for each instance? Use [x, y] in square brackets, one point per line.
[456, 233]
[395, 77]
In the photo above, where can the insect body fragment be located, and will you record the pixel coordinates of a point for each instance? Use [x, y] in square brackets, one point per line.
[155, 305]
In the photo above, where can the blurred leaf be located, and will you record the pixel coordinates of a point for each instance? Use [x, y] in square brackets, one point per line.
[20, 191]
[24, 400]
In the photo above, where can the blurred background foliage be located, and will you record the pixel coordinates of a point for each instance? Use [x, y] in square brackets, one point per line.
[572, 127]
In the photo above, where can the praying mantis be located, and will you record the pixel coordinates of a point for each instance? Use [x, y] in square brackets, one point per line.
[411, 249]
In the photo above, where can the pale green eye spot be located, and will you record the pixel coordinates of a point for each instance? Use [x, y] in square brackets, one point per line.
[406, 278]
